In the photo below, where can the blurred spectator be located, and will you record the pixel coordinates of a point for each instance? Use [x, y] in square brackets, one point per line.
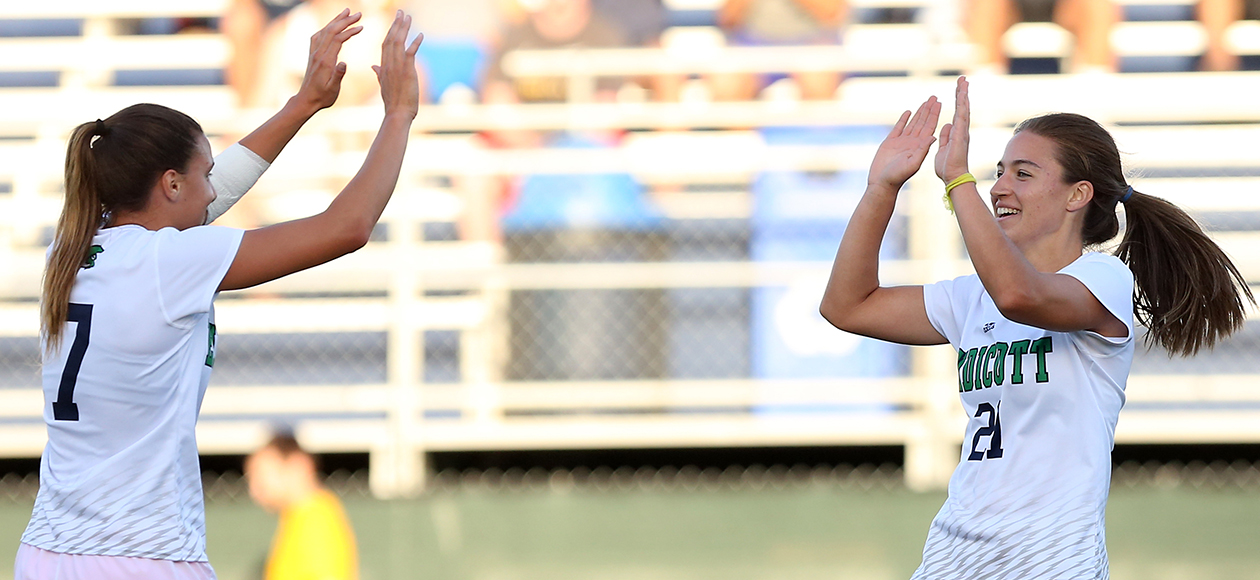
[244, 24]
[1217, 16]
[552, 24]
[778, 23]
[314, 540]
[643, 22]
[458, 40]
[1090, 21]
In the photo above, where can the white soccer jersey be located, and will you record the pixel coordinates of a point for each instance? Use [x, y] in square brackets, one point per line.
[120, 475]
[1028, 498]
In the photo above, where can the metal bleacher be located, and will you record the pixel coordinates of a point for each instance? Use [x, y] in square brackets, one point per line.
[1190, 138]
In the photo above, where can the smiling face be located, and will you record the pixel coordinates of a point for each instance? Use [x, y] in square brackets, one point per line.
[1031, 199]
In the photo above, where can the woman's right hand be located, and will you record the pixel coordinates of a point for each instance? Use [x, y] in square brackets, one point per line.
[903, 151]
[400, 87]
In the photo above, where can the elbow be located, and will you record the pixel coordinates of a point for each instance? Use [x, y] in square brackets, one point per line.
[352, 237]
[1015, 303]
[833, 314]
[359, 238]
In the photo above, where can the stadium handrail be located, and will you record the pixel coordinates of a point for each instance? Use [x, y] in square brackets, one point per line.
[498, 414]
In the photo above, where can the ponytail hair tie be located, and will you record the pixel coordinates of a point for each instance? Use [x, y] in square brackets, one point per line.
[1128, 192]
[98, 131]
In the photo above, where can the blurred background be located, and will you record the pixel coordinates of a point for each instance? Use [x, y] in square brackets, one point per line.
[584, 341]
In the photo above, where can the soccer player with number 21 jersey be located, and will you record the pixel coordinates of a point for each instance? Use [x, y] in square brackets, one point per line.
[1044, 330]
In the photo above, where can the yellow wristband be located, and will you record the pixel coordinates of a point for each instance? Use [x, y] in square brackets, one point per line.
[961, 179]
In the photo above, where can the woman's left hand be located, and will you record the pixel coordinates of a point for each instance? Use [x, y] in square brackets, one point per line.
[951, 152]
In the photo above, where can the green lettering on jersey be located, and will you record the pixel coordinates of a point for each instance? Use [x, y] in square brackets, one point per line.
[1018, 349]
[1041, 346]
[210, 350]
[988, 367]
[968, 372]
[962, 361]
[999, 362]
[90, 262]
[980, 358]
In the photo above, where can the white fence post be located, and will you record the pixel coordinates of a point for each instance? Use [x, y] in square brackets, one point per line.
[398, 464]
[931, 452]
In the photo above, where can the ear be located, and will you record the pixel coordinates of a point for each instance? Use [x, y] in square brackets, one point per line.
[171, 182]
[1082, 193]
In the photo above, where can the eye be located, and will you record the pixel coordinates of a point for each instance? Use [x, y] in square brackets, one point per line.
[1024, 174]
[999, 173]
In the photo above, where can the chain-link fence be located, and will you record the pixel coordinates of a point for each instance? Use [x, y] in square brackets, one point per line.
[231, 486]
[675, 298]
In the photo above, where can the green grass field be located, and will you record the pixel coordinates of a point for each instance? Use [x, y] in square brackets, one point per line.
[792, 533]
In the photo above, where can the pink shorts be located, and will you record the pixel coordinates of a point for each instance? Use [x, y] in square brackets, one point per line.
[38, 564]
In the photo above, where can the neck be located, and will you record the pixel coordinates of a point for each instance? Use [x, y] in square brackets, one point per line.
[1053, 253]
[301, 491]
[146, 220]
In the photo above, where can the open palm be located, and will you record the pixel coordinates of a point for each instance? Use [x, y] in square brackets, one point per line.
[903, 151]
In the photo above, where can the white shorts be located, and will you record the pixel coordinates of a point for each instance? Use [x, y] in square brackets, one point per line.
[38, 564]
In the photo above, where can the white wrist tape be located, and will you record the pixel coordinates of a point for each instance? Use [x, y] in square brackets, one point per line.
[235, 171]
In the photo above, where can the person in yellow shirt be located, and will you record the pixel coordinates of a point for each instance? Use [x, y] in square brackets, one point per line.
[314, 539]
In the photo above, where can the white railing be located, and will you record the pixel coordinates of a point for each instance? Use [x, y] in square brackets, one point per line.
[493, 414]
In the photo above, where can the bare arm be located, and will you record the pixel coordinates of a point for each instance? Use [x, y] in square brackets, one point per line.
[1046, 300]
[237, 172]
[320, 86]
[854, 301]
[282, 249]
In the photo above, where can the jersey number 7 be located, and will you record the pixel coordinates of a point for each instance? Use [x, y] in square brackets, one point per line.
[64, 408]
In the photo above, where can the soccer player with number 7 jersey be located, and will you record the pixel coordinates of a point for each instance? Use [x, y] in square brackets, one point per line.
[128, 319]
[1044, 330]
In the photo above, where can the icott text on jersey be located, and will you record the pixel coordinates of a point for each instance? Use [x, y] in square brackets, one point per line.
[987, 366]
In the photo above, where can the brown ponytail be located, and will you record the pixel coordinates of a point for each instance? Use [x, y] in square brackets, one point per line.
[111, 166]
[1188, 293]
[81, 216]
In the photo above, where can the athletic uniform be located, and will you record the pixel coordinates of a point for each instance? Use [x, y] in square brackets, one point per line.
[120, 475]
[1028, 498]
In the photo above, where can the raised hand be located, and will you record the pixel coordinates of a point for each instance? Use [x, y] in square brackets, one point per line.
[951, 155]
[400, 87]
[322, 82]
[903, 151]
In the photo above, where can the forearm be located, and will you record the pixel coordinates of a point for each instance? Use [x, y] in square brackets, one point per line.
[855, 272]
[1006, 274]
[236, 170]
[271, 137]
[364, 198]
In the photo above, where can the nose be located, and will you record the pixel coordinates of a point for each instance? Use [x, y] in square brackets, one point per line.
[1001, 187]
